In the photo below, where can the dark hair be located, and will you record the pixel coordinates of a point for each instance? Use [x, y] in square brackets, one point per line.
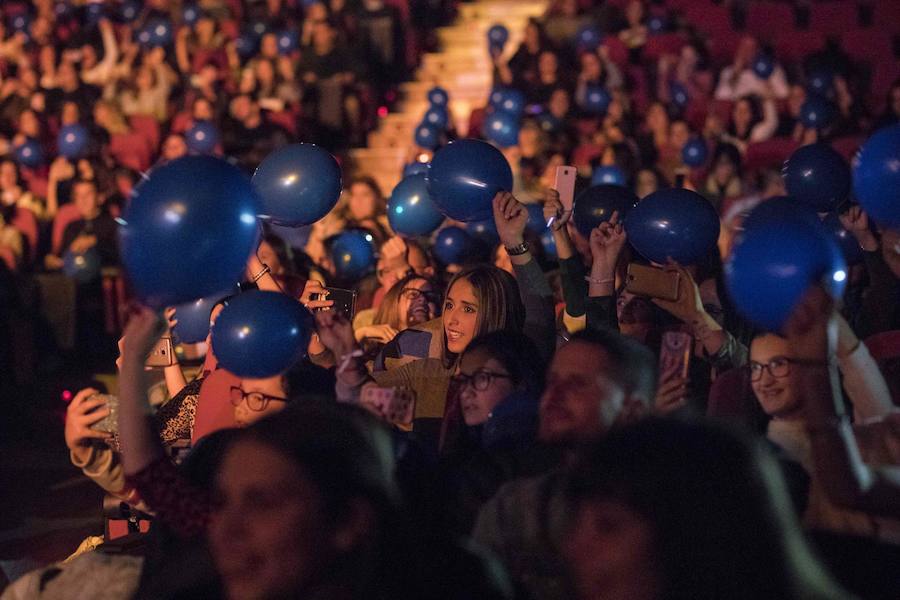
[634, 366]
[518, 355]
[730, 152]
[755, 111]
[282, 251]
[717, 506]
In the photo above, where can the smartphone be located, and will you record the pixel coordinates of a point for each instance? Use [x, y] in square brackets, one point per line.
[109, 423]
[162, 355]
[642, 280]
[675, 353]
[565, 185]
[394, 405]
[344, 301]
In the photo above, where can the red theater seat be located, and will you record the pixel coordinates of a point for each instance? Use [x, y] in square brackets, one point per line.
[833, 18]
[26, 223]
[67, 214]
[761, 16]
[769, 154]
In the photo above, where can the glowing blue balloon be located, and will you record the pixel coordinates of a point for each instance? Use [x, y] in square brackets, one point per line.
[193, 319]
[21, 23]
[261, 334]
[465, 176]
[188, 230]
[657, 24]
[353, 254]
[415, 168]
[779, 256]
[694, 153]
[876, 176]
[502, 128]
[297, 184]
[675, 223]
[536, 223]
[427, 136]
[679, 95]
[508, 99]
[93, 13]
[288, 41]
[850, 249]
[597, 204]
[190, 14]
[610, 175]
[410, 209]
[817, 112]
[437, 116]
[596, 99]
[821, 83]
[72, 141]
[498, 35]
[817, 176]
[484, 231]
[453, 246]
[29, 153]
[438, 96]
[129, 10]
[84, 267]
[588, 38]
[246, 43]
[763, 66]
[202, 138]
[157, 32]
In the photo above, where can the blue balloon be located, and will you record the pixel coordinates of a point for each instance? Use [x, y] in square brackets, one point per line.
[130, 10]
[246, 43]
[876, 176]
[484, 231]
[675, 223]
[763, 66]
[353, 254]
[298, 184]
[679, 95]
[190, 14]
[536, 223]
[84, 267]
[502, 128]
[158, 32]
[846, 241]
[29, 153]
[72, 141]
[415, 168]
[410, 209]
[549, 244]
[821, 83]
[657, 24]
[438, 96]
[93, 13]
[193, 319]
[588, 38]
[427, 136]
[596, 99]
[779, 256]
[694, 153]
[288, 41]
[437, 116]
[498, 35]
[508, 99]
[597, 204]
[610, 175]
[189, 228]
[261, 334]
[259, 28]
[453, 246]
[817, 112]
[465, 176]
[549, 123]
[817, 176]
[202, 138]
[21, 23]
[62, 10]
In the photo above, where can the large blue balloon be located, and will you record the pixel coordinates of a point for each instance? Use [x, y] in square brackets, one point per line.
[498, 35]
[84, 267]
[158, 32]
[261, 334]
[679, 95]
[694, 153]
[353, 254]
[876, 176]
[190, 14]
[597, 204]
[297, 184]
[817, 176]
[427, 136]
[415, 168]
[438, 96]
[202, 138]
[246, 43]
[763, 66]
[509, 100]
[453, 246]
[609, 175]
[846, 241]
[821, 83]
[657, 24]
[437, 116]
[189, 228]
[779, 256]
[193, 319]
[410, 209]
[536, 223]
[465, 176]
[588, 38]
[596, 99]
[817, 112]
[675, 223]
[288, 41]
[29, 153]
[72, 141]
[484, 231]
[129, 10]
[502, 128]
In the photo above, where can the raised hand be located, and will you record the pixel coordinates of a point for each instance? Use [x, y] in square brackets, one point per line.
[554, 209]
[85, 409]
[335, 333]
[311, 288]
[856, 221]
[510, 217]
[671, 392]
[607, 241]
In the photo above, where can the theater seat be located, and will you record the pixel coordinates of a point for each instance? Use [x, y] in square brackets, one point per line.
[769, 154]
[131, 150]
[833, 18]
[66, 214]
[148, 127]
[761, 16]
[26, 223]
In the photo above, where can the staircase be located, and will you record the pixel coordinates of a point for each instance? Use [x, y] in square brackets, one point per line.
[462, 67]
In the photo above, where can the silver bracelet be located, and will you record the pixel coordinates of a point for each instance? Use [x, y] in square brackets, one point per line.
[599, 281]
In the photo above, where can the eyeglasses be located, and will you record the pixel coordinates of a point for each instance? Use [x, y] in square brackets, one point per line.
[480, 380]
[256, 401]
[414, 294]
[778, 367]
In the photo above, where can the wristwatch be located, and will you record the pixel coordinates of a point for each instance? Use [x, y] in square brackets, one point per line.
[517, 250]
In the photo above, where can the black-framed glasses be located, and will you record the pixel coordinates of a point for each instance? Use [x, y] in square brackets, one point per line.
[256, 401]
[415, 293]
[778, 367]
[480, 380]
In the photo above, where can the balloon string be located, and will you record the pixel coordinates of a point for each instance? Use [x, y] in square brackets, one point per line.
[347, 358]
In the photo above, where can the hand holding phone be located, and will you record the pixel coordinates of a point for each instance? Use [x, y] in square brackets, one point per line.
[565, 185]
[162, 355]
[674, 364]
[343, 301]
[642, 280]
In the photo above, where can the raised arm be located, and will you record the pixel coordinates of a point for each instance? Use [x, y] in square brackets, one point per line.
[607, 241]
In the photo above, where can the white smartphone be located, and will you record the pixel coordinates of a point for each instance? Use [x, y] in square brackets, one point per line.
[565, 185]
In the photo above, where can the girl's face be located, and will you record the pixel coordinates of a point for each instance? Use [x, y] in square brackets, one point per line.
[29, 125]
[742, 113]
[774, 391]
[268, 534]
[362, 202]
[268, 256]
[590, 65]
[460, 315]
[646, 183]
[413, 306]
[7, 175]
[70, 113]
[262, 397]
[482, 371]
[174, 147]
[203, 111]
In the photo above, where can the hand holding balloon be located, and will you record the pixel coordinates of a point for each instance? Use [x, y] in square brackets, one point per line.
[856, 221]
[510, 217]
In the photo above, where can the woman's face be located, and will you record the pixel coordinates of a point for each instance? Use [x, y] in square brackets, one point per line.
[532, 36]
[29, 125]
[689, 56]
[724, 169]
[268, 392]
[268, 533]
[460, 315]
[413, 307]
[203, 110]
[174, 147]
[268, 256]
[742, 114]
[611, 552]
[547, 63]
[269, 46]
[7, 175]
[70, 113]
[775, 392]
[656, 118]
[646, 183]
[362, 202]
[634, 12]
[559, 104]
[679, 134]
[144, 79]
[478, 404]
[590, 66]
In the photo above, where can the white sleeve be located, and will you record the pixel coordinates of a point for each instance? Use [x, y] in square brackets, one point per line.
[865, 385]
[724, 90]
[765, 129]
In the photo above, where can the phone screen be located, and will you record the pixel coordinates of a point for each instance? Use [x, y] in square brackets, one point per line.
[565, 185]
[344, 301]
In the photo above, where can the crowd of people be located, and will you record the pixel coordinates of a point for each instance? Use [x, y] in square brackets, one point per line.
[506, 426]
